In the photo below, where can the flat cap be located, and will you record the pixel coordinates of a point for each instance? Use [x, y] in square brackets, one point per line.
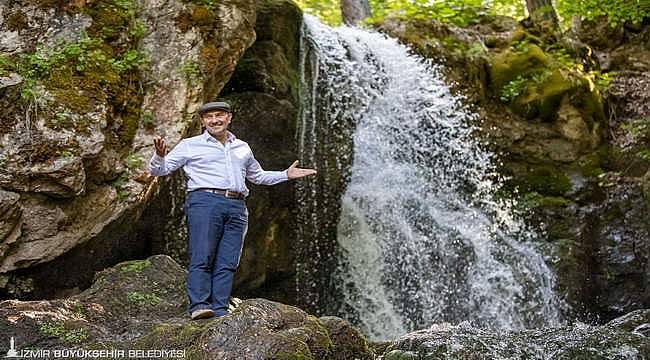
[217, 105]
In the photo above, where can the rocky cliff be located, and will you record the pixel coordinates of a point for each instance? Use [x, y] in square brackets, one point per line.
[85, 86]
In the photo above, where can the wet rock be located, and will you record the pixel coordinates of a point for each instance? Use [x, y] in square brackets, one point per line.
[619, 231]
[617, 339]
[349, 343]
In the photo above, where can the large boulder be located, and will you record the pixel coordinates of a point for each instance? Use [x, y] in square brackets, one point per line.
[85, 86]
[141, 306]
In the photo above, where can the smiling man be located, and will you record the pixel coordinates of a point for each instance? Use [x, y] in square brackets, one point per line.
[216, 164]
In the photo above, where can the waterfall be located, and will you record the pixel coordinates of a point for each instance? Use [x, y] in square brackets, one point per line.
[402, 229]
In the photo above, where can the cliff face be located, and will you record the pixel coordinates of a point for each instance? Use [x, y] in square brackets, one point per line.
[570, 124]
[85, 87]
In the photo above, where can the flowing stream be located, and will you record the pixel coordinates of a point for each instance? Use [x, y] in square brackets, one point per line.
[421, 237]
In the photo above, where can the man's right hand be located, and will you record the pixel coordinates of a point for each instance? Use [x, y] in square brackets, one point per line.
[159, 144]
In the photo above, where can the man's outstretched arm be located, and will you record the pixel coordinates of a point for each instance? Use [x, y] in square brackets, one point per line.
[294, 172]
[259, 176]
[162, 163]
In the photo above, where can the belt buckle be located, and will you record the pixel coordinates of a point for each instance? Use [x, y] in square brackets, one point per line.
[230, 194]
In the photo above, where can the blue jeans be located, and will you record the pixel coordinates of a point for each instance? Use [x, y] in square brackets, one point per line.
[217, 226]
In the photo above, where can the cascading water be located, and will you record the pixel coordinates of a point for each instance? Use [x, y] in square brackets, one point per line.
[420, 236]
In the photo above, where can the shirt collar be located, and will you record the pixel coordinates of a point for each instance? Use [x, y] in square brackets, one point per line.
[230, 137]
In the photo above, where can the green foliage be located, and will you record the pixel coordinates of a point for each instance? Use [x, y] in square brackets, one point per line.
[136, 266]
[601, 80]
[147, 119]
[639, 131]
[141, 299]
[560, 61]
[87, 57]
[6, 65]
[328, 11]
[191, 70]
[63, 55]
[513, 88]
[513, 8]
[118, 184]
[58, 329]
[134, 161]
[131, 60]
[465, 12]
[617, 11]
[458, 12]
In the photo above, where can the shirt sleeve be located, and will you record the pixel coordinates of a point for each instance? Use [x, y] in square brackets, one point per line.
[177, 157]
[259, 176]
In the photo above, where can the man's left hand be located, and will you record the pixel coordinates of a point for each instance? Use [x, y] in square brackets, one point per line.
[294, 172]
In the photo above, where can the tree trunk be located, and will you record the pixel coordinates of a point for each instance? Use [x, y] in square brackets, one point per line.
[542, 12]
[354, 11]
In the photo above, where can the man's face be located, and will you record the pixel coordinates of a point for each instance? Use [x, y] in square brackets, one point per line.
[216, 121]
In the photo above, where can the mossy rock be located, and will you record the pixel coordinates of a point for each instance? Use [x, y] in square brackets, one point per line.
[544, 180]
[104, 316]
[509, 64]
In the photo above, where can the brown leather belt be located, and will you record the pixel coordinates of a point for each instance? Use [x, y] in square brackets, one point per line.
[227, 193]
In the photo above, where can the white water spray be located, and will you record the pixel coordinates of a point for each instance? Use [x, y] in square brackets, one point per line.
[421, 236]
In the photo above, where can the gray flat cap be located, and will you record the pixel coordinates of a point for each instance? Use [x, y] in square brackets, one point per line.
[217, 105]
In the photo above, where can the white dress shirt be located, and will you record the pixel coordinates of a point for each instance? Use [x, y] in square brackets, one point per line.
[210, 164]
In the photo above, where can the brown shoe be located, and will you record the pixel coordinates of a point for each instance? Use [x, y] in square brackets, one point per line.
[202, 314]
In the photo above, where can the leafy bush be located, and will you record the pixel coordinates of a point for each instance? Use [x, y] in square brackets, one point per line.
[458, 12]
[617, 11]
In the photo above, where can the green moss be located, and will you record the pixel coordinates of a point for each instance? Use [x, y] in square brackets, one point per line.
[591, 165]
[535, 200]
[7, 65]
[135, 266]
[401, 355]
[173, 336]
[509, 64]
[546, 181]
[299, 354]
[551, 91]
[142, 299]
[192, 71]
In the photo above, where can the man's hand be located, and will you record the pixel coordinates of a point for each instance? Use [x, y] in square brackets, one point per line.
[294, 172]
[159, 144]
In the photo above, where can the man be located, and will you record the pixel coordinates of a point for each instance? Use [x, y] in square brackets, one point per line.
[216, 164]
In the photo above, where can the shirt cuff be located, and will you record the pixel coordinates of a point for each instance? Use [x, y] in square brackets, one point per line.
[155, 163]
[286, 175]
